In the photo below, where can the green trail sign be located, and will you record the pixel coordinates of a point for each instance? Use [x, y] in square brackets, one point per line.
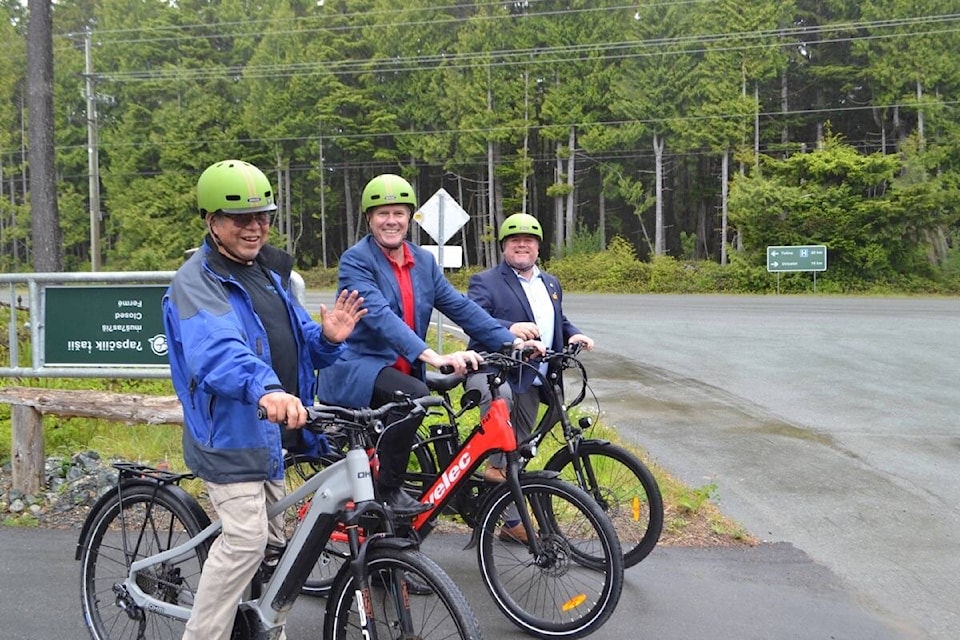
[104, 326]
[797, 258]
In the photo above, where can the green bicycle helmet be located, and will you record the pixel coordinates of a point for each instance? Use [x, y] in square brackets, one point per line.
[234, 187]
[520, 223]
[387, 188]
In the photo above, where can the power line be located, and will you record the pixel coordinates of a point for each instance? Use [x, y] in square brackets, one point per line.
[557, 54]
[367, 20]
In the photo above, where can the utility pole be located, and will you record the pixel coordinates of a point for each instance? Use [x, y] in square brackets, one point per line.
[47, 245]
[93, 153]
[323, 213]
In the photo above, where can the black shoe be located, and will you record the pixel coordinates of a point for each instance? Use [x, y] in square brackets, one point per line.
[402, 504]
[271, 558]
[415, 586]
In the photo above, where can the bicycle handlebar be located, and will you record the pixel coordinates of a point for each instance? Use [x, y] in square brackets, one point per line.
[320, 415]
[503, 361]
[510, 358]
[366, 416]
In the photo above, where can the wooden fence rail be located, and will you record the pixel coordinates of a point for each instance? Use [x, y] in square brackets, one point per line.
[29, 404]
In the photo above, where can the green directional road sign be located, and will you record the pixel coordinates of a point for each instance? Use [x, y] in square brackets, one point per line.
[104, 325]
[797, 258]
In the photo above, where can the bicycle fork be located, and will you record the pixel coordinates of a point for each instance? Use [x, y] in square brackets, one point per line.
[395, 583]
[516, 493]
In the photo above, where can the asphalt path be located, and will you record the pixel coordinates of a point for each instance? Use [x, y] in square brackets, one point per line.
[824, 424]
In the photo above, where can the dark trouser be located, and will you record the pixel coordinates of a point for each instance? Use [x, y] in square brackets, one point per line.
[396, 441]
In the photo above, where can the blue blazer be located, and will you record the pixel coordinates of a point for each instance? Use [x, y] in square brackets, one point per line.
[382, 335]
[498, 291]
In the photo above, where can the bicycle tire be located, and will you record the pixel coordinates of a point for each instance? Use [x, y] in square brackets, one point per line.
[422, 468]
[629, 495]
[573, 589]
[445, 613]
[148, 521]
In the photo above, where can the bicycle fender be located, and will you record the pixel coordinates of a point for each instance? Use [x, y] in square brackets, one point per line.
[392, 542]
[599, 441]
[375, 542]
[490, 496]
[179, 494]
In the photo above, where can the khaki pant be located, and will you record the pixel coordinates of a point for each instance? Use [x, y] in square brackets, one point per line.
[234, 555]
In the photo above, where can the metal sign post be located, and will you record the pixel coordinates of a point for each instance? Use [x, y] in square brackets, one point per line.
[441, 217]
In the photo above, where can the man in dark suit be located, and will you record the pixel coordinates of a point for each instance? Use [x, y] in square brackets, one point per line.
[528, 302]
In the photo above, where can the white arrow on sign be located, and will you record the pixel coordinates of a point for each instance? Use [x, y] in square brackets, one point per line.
[441, 217]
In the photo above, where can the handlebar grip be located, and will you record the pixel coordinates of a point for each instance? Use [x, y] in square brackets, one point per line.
[446, 369]
[262, 415]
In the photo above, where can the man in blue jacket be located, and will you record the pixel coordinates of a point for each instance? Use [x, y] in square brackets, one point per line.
[238, 340]
[401, 285]
[529, 303]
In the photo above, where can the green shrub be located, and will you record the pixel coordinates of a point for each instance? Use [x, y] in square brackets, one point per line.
[614, 270]
[617, 270]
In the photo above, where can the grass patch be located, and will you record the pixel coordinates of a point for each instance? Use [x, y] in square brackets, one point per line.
[24, 520]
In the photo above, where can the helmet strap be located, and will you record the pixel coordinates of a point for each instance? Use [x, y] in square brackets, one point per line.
[221, 247]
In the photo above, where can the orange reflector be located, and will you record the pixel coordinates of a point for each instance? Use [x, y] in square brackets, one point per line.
[636, 509]
[573, 602]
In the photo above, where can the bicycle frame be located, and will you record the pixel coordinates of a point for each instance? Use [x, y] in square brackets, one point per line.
[333, 488]
[494, 433]
[557, 412]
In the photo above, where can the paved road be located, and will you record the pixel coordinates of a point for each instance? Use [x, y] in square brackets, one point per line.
[764, 593]
[828, 423]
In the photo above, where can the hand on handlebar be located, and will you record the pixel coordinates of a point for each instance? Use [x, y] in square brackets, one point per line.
[282, 408]
[459, 362]
[584, 341]
[529, 349]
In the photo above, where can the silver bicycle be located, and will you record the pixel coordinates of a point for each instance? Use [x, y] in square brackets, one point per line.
[144, 543]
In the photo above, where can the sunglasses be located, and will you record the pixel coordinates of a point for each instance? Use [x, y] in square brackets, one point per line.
[243, 220]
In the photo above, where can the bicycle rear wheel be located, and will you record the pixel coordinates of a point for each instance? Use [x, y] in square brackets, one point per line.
[445, 613]
[575, 584]
[623, 487]
[422, 467]
[146, 522]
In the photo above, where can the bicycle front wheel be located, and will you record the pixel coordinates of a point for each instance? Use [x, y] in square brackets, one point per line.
[573, 586]
[444, 613]
[623, 487]
[146, 522]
